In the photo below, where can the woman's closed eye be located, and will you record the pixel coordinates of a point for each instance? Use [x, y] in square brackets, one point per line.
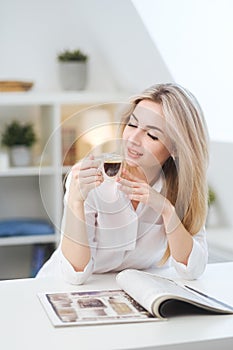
[153, 137]
[132, 125]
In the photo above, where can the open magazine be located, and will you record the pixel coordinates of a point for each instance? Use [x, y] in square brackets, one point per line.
[93, 307]
[163, 297]
[143, 297]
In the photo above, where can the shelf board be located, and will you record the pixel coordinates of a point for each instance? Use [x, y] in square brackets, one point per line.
[27, 171]
[23, 240]
[61, 97]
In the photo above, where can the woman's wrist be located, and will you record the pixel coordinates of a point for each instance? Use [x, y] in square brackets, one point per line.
[170, 218]
[75, 205]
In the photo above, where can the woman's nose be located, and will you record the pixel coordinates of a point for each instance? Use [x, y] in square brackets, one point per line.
[136, 135]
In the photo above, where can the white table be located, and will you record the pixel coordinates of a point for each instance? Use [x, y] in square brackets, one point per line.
[24, 324]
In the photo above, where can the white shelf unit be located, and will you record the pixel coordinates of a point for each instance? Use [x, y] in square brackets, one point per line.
[37, 191]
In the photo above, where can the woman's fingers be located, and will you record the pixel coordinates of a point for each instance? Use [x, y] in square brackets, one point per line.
[131, 184]
[86, 175]
[90, 179]
[135, 190]
[87, 169]
[87, 164]
[126, 182]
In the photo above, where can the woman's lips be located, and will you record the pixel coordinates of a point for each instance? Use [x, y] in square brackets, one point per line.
[133, 153]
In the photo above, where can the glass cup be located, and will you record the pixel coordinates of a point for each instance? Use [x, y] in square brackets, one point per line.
[111, 165]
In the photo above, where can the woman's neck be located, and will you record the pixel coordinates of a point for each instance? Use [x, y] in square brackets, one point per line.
[150, 176]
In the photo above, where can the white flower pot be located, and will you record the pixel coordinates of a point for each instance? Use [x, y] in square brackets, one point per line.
[20, 155]
[4, 161]
[73, 75]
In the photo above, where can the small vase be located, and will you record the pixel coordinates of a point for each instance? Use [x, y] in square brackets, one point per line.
[20, 155]
[4, 160]
[73, 75]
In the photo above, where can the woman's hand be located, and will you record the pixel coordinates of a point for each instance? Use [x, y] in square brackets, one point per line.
[140, 191]
[86, 175]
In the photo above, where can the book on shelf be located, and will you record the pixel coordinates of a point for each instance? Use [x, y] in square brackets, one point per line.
[68, 146]
[40, 253]
[141, 297]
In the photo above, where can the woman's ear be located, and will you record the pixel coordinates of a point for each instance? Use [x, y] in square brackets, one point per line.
[173, 152]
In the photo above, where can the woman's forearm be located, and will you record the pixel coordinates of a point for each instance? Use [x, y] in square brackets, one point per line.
[75, 245]
[179, 239]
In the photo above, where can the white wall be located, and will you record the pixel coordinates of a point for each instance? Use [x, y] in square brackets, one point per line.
[122, 54]
[33, 32]
[195, 40]
[220, 176]
[131, 53]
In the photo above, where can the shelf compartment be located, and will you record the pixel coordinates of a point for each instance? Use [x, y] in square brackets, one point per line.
[27, 171]
[24, 240]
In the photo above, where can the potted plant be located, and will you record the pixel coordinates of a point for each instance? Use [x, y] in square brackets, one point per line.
[211, 196]
[212, 216]
[19, 138]
[73, 69]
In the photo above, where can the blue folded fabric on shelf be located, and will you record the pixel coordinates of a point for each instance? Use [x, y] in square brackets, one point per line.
[25, 227]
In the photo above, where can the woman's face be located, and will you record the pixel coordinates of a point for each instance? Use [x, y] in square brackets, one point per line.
[145, 142]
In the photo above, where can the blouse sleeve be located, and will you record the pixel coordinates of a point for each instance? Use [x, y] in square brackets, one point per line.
[58, 265]
[197, 259]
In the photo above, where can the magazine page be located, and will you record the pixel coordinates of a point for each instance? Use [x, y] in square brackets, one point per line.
[147, 288]
[93, 307]
[143, 288]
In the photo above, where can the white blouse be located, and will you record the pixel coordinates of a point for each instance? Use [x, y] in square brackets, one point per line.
[121, 237]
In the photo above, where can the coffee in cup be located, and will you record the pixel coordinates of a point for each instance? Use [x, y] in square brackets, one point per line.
[112, 164]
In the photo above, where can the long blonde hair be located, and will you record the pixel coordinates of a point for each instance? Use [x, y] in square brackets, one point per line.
[185, 184]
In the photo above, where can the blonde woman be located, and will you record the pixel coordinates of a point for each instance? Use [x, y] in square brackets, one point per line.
[159, 215]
